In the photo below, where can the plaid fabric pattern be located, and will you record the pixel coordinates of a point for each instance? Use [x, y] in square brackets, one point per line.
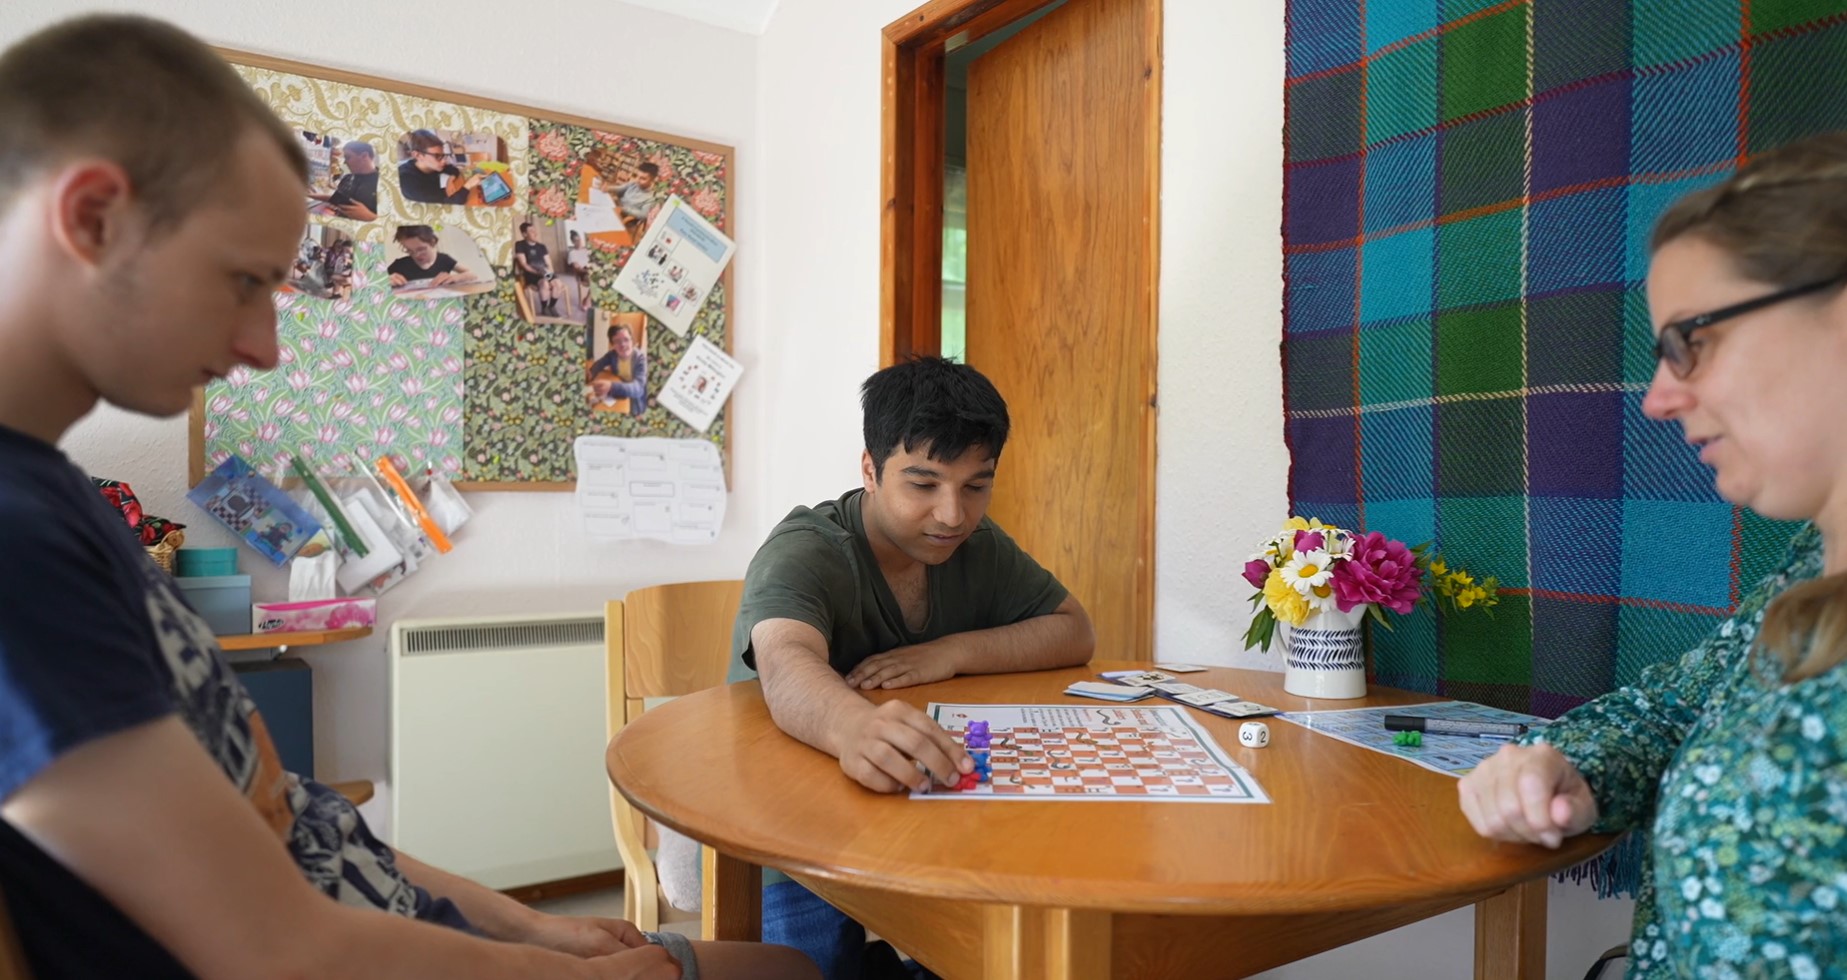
[1469, 190]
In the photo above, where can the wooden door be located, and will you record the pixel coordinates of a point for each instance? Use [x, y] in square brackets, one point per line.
[1063, 207]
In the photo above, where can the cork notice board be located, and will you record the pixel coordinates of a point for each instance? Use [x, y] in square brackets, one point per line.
[422, 323]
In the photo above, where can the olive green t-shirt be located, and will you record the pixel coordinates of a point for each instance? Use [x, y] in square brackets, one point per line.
[817, 568]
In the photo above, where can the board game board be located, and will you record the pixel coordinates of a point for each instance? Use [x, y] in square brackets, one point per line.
[1452, 755]
[1054, 752]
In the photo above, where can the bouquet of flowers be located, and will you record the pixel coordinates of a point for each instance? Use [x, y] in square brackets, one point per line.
[1313, 568]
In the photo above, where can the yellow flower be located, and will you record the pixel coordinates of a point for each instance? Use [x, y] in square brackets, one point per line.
[1438, 568]
[1285, 602]
[1303, 524]
[1469, 596]
[1461, 580]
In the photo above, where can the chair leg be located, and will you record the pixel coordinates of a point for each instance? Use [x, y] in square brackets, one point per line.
[640, 899]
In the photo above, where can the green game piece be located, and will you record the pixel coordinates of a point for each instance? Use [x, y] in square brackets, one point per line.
[1412, 739]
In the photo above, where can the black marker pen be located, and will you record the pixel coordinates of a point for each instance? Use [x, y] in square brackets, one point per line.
[1444, 726]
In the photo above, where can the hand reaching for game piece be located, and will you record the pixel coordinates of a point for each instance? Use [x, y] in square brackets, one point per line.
[882, 747]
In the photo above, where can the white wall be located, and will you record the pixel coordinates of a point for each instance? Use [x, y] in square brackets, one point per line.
[801, 103]
[522, 553]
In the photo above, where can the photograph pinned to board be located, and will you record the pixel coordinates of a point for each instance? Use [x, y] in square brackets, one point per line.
[323, 264]
[442, 166]
[256, 509]
[552, 289]
[698, 387]
[438, 263]
[673, 270]
[342, 178]
[616, 371]
[663, 489]
[617, 194]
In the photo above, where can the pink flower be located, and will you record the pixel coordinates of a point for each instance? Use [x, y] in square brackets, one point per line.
[552, 145]
[705, 202]
[552, 201]
[1309, 541]
[1379, 570]
[1255, 571]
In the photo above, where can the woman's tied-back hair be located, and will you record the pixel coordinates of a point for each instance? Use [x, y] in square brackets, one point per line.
[1782, 220]
[136, 91]
[928, 401]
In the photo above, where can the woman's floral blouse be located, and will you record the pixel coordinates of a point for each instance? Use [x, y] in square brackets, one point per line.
[1742, 780]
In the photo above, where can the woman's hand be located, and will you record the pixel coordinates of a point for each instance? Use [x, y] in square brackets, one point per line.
[1527, 793]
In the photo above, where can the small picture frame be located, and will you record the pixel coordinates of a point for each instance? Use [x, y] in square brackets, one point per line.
[256, 509]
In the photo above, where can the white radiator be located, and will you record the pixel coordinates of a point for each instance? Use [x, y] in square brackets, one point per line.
[497, 739]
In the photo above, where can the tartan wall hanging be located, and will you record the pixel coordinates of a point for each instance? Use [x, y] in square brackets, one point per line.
[1468, 192]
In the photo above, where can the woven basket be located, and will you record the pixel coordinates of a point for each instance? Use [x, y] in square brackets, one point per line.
[168, 548]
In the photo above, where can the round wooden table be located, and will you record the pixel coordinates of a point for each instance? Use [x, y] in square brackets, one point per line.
[1354, 843]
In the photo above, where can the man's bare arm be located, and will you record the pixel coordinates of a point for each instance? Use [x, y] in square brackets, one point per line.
[145, 817]
[880, 746]
[1060, 638]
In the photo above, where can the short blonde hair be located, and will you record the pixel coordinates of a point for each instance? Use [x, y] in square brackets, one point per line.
[134, 90]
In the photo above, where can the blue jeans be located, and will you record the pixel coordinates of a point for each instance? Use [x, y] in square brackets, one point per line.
[795, 916]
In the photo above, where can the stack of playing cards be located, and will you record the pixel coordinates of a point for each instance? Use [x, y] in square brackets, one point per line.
[1221, 703]
[1108, 692]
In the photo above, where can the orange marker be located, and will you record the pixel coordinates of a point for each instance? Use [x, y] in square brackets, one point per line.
[415, 506]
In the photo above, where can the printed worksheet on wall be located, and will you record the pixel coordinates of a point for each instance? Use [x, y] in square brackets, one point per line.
[665, 489]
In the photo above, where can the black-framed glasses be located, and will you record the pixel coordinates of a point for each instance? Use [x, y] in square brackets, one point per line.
[1674, 344]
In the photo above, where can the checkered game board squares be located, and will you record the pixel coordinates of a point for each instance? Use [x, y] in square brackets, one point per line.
[1123, 761]
[1469, 187]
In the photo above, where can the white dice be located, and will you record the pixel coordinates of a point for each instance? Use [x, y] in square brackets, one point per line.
[1253, 734]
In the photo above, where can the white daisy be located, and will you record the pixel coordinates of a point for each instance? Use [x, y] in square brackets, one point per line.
[1307, 570]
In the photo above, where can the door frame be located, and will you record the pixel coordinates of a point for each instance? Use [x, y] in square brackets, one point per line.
[911, 218]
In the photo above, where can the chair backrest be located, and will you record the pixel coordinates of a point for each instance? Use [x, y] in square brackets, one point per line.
[663, 641]
[677, 638]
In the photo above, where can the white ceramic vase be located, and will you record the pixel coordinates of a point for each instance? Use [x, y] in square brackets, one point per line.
[1325, 656]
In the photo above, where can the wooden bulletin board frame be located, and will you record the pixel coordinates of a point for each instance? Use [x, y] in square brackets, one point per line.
[549, 146]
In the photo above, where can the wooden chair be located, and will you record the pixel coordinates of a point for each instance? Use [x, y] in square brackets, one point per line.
[663, 642]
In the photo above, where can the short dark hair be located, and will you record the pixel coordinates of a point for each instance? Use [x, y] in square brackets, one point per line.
[929, 401]
[119, 86]
[360, 148]
[616, 328]
[651, 168]
[423, 139]
[420, 232]
[523, 226]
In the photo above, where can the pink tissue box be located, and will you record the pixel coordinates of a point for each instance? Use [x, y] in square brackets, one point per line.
[317, 614]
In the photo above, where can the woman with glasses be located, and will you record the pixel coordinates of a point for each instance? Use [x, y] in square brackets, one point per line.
[1734, 759]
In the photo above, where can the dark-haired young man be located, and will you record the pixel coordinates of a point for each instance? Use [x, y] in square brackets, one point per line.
[423, 176]
[147, 827]
[901, 581]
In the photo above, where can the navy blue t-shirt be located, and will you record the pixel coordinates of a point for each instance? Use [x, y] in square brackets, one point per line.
[96, 639]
